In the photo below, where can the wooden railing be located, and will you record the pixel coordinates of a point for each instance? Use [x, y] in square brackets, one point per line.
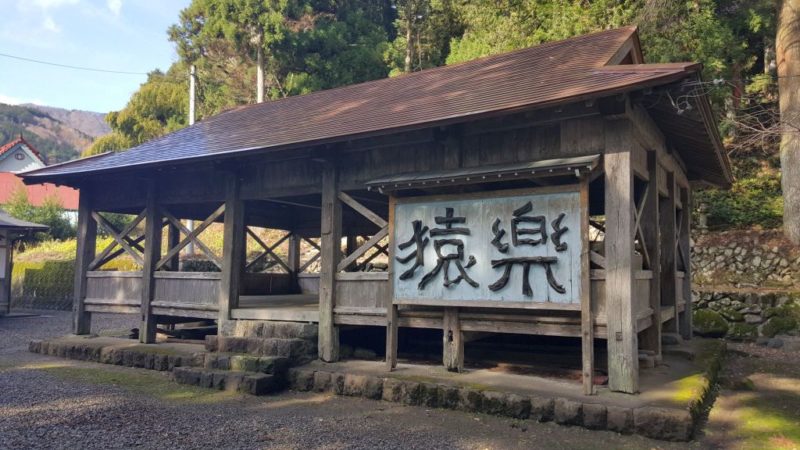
[113, 292]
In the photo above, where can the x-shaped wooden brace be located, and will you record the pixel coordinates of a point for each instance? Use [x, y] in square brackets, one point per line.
[269, 250]
[121, 238]
[371, 242]
[678, 230]
[313, 258]
[637, 229]
[191, 236]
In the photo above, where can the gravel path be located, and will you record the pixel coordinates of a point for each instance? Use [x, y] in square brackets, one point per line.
[49, 402]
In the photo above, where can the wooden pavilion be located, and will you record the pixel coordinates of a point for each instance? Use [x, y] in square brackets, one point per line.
[545, 191]
[11, 229]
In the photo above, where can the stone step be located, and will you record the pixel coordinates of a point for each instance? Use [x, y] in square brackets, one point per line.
[239, 362]
[270, 329]
[298, 351]
[246, 382]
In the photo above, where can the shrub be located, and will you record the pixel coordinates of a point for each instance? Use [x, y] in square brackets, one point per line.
[709, 323]
[51, 213]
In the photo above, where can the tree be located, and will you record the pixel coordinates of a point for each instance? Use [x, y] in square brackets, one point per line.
[788, 58]
[158, 107]
[51, 213]
[424, 29]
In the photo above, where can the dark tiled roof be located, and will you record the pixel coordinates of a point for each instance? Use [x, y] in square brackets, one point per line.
[11, 223]
[551, 73]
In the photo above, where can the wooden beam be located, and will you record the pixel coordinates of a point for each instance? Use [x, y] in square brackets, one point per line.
[587, 319]
[118, 237]
[101, 257]
[232, 248]
[191, 236]
[667, 265]
[452, 341]
[651, 240]
[87, 239]
[623, 354]
[293, 258]
[392, 315]
[685, 316]
[152, 251]
[353, 257]
[268, 249]
[363, 210]
[330, 253]
[173, 237]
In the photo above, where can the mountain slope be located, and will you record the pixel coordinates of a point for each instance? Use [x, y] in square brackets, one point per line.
[58, 134]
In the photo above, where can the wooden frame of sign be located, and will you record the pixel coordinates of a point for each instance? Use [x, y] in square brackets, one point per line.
[452, 335]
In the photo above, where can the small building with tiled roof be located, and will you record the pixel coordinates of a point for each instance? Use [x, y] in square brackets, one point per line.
[19, 156]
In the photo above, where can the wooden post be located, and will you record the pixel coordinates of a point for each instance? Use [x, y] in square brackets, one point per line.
[173, 237]
[623, 354]
[330, 254]
[87, 238]
[667, 266]
[232, 249]
[453, 341]
[293, 260]
[683, 241]
[351, 245]
[587, 321]
[6, 260]
[152, 253]
[651, 337]
[391, 309]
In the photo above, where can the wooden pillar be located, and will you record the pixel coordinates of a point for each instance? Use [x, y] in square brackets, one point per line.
[232, 249]
[330, 254]
[651, 337]
[392, 314]
[667, 266]
[623, 361]
[6, 260]
[152, 253]
[685, 318]
[587, 319]
[87, 239]
[453, 341]
[351, 244]
[173, 237]
[293, 260]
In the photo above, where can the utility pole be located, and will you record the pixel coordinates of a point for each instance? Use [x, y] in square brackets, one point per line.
[192, 80]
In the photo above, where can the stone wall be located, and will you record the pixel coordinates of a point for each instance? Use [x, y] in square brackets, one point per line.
[747, 284]
[746, 315]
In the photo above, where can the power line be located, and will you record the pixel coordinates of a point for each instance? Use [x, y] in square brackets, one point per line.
[68, 66]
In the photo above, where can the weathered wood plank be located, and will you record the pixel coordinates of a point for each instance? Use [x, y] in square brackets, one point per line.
[587, 319]
[452, 341]
[391, 309]
[232, 248]
[191, 236]
[651, 338]
[330, 254]
[152, 251]
[685, 316]
[623, 361]
[87, 238]
[363, 210]
[353, 257]
[667, 228]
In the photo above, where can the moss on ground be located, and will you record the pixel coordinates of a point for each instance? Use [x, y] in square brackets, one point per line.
[153, 384]
[709, 323]
[742, 332]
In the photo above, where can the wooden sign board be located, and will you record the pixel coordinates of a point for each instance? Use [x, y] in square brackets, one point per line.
[519, 249]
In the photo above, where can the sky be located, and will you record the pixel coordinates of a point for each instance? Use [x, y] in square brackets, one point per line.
[121, 35]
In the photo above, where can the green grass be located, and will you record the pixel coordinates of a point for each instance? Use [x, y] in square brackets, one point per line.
[153, 384]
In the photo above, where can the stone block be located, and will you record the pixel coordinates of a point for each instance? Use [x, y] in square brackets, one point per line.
[35, 346]
[259, 384]
[322, 381]
[160, 362]
[429, 395]
[493, 403]
[619, 419]
[373, 388]
[567, 412]
[594, 416]
[542, 409]
[337, 383]
[211, 343]
[354, 385]
[206, 379]
[662, 423]
[448, 396]
[301, 379]
[517, 406]
[471, 400]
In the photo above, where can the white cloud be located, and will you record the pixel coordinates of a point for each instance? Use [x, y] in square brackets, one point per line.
[115, 6]
[9, 100]
[50, 25]
[49, 4]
